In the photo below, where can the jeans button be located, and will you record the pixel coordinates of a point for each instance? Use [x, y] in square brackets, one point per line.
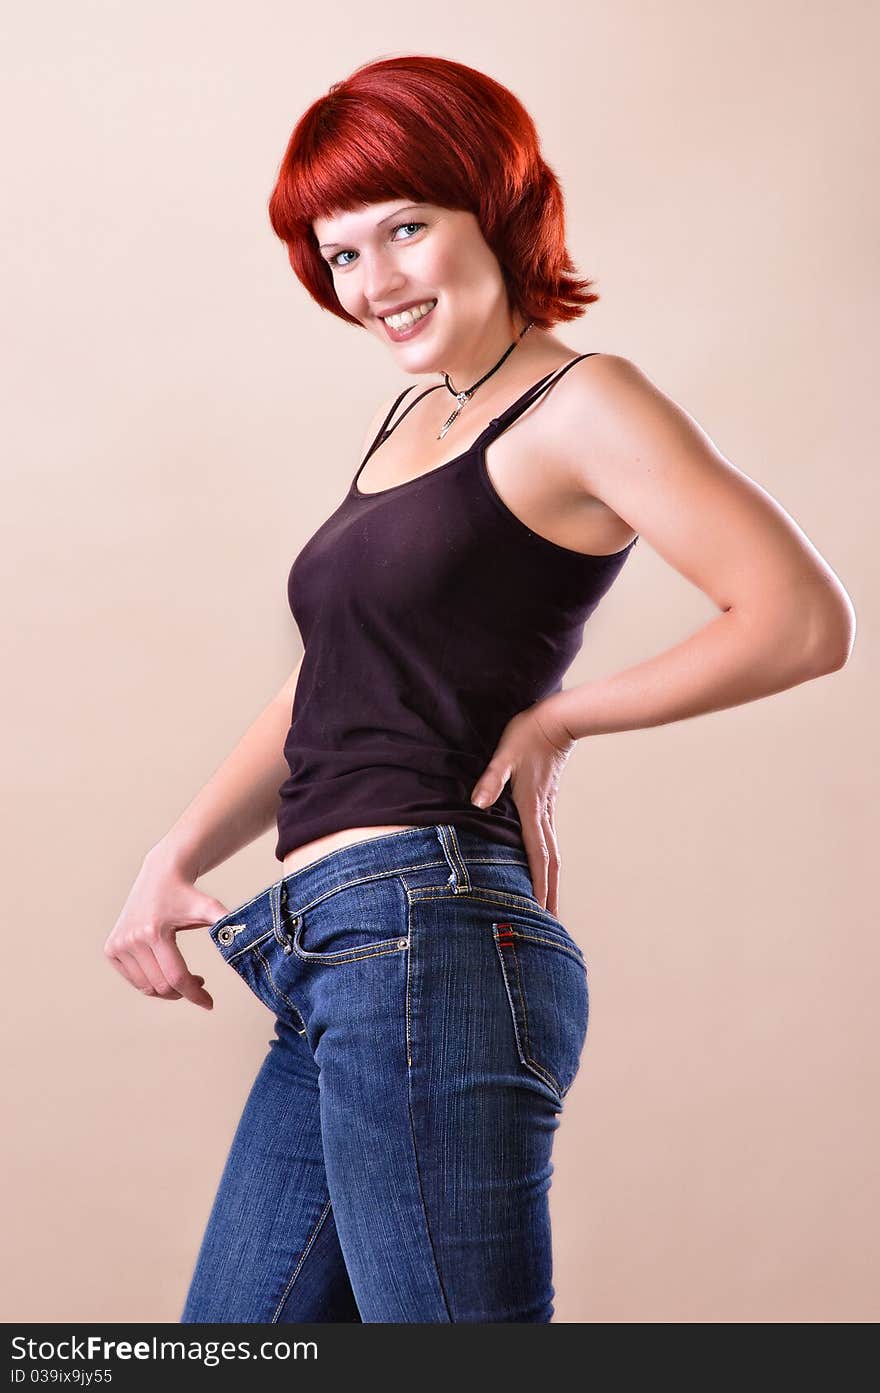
[227, 934]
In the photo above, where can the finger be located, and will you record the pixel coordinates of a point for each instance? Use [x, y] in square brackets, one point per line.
[143, 951]
[555, 863]
[127, 967]
[173, 965]
[126, 964]
[537, 853]
[146, 987]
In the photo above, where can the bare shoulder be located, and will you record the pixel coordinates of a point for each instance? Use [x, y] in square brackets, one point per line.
[595, 406]
[630, 445]
[610, 410]
[601, 381]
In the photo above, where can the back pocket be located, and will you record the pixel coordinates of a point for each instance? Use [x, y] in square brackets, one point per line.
[545, 978]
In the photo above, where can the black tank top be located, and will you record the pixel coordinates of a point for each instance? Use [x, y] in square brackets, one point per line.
[430, 615]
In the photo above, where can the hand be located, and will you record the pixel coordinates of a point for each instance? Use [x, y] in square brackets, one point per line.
[142, 946]
[532, 752]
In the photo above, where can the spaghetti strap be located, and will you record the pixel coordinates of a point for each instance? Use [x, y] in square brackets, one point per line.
[385, 430]
[532, 394]
[495, 427]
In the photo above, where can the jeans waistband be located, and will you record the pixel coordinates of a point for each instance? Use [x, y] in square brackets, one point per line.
[418, 847]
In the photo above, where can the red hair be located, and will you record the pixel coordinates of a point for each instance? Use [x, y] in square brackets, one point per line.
[432, 131]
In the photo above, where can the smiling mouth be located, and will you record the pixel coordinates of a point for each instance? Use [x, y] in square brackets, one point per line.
[406, 324]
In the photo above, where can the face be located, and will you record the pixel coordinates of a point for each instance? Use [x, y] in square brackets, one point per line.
[388, 257]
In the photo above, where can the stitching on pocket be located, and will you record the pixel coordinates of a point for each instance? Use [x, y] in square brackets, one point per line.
[559, 938]
[551, 942]
[523, 1040]
[379, 949]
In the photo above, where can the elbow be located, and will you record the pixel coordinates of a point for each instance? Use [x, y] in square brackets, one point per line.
[833, 634]
[835, 654]
[807, 637]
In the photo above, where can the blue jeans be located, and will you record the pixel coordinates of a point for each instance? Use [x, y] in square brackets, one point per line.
[392, 1162]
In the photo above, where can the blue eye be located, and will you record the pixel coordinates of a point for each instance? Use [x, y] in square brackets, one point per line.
[334, 261]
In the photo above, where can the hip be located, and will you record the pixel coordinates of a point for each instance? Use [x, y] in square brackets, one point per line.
[424, 940]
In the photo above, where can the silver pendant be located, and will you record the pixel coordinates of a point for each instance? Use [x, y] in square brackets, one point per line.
[461, 398]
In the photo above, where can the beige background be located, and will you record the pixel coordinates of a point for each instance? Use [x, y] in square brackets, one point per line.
[180, 418]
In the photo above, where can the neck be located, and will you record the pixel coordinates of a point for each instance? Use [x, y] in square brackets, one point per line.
[468, 368]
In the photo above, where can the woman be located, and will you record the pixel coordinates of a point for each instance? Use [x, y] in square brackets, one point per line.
[393, 1159]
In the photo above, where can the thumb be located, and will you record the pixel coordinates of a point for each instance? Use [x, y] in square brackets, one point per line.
[205, 910]
[487, 789]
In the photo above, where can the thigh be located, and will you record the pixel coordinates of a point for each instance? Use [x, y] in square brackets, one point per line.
[271, 1251]
[498, 1008]
[347, 970]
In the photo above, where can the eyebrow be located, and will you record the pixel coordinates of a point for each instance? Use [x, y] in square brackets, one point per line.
[326, 246]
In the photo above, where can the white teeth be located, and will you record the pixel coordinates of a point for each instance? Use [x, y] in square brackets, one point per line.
[401, 321]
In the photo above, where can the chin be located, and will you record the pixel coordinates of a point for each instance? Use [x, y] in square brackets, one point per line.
[417, 357]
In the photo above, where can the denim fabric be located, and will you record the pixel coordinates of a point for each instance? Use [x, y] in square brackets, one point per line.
[392, 1163]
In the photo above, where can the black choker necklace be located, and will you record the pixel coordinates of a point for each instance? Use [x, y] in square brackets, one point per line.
[463, 397]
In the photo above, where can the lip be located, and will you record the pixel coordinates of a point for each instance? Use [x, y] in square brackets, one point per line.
[399, 335]
[407, 305]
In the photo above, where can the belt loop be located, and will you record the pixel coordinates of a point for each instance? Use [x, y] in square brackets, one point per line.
[275, 892]
[458, 879]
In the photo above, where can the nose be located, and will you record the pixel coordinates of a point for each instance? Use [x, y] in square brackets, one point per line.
[381, 281]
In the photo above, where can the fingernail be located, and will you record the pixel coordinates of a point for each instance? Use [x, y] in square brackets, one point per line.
[480, 799]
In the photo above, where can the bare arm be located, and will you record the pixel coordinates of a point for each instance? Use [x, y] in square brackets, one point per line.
[237, 804]
[234, 807]
[240, 801]
[785, 617]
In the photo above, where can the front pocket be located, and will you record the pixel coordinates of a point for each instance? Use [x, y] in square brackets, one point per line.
[363, 921]
[545, 978]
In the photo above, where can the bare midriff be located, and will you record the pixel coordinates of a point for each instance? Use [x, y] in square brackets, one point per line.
[311, 851]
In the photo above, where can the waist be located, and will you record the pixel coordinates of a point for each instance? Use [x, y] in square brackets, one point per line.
[304, 855]
[391, 852]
